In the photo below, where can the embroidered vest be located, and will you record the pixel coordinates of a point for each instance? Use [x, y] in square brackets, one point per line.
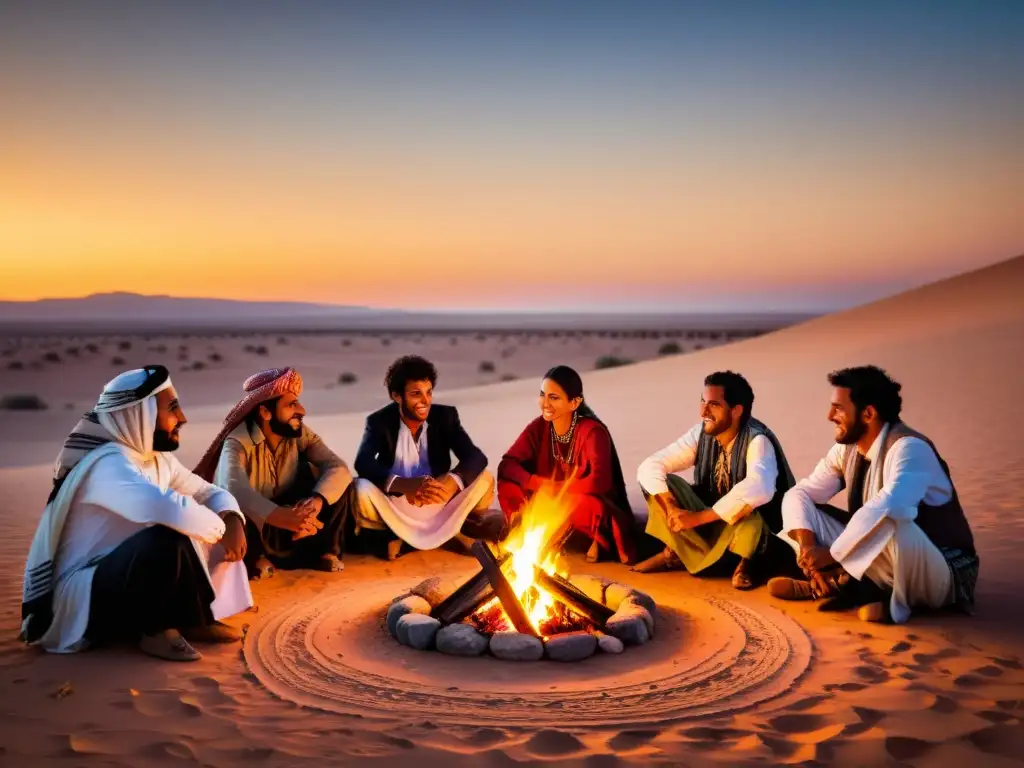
[945, 525]
[708, 451]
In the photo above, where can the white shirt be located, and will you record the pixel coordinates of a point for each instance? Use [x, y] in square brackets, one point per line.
[755, 490]
[912, 475]
[118, 498]
[412, 457]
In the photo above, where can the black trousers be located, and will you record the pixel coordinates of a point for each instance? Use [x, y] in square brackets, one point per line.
[277, 545]
[153, 581]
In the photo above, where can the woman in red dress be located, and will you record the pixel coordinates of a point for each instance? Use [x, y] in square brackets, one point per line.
[568, 439]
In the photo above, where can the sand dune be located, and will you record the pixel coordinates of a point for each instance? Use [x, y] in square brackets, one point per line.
[940, 690]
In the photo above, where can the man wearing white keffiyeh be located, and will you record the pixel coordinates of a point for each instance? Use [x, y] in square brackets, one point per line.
[127, 547]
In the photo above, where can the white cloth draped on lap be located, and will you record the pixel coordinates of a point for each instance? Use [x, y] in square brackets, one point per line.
[426, 527]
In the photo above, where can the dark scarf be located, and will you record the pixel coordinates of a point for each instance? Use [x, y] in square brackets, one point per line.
[708, 450]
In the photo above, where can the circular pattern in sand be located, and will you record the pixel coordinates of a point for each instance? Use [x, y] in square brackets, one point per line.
[710, 656]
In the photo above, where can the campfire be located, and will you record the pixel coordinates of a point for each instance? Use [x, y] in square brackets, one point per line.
[527, 589]
[523, 596]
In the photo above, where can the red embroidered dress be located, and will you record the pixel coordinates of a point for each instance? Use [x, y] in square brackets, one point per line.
[600, 509]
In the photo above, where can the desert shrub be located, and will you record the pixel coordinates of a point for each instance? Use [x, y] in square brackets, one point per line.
[22, 403]
[256, 349]
[71, 351]
[454, 340]
[348, 378]
[508, 377]
[51, 357]
[481, 337]
[486, 366]
[198, 365]
[698, 346]
[124, 346]
[282, 340]
[117, 360]
[16, 365]
[507, 352]
[92, 348]
[385, 342]
[670, 348]
[611, 361]
[216, 357]
[160, 348]
[346, 342]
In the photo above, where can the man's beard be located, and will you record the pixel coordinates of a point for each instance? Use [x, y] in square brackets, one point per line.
[718, 427]
[408, 413]
[284, 429]
[853, 433]
[164, 441]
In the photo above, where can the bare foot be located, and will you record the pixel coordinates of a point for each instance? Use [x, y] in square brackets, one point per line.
[666, 560]
[264, 569]
[330, 564]
[169, 645]
[742, 577]
[394, 549]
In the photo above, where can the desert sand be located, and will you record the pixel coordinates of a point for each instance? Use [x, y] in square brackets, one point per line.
[729, 679]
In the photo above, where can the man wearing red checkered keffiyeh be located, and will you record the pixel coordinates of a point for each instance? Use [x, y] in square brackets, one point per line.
[293, 489]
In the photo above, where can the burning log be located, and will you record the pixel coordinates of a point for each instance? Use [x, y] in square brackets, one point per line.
[564, 591]
[473, 594]
[509, 601]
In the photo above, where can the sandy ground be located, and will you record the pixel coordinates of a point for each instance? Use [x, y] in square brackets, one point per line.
[941, 690]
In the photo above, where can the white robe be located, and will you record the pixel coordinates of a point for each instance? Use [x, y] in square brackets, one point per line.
[428, 526]
[118, 497]
[881, 542]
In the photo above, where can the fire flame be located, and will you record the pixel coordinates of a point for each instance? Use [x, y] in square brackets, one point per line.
[542, 517]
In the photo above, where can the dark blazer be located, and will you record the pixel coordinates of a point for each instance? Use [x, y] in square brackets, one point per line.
[445, 436]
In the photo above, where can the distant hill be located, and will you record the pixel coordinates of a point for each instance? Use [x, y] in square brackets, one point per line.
[134, 306]
[131, 312]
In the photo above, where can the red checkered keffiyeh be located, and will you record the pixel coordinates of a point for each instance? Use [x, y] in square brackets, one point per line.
[259, 388]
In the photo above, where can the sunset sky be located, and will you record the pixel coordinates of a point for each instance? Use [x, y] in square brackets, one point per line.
[751, 155]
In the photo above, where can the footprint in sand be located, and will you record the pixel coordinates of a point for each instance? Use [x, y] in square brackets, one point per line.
[868, 716]
[550, 743]
[715, 735]
[798, 723]
[871, 674]
[906, 748]
[1008, 663]
[989, 671]
[809, 703]
[845, 687]
[900, 647]
[485, 737]
[627, 740]
[995, 716]
[944, 705]
[1003, 740]
[968, 681]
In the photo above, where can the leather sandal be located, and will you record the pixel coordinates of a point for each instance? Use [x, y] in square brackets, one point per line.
[741, 577]
[785, 588]
[169, 645]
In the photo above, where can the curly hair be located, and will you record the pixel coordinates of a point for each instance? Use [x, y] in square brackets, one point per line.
[870, 385]
[406, 369]
[737, 390]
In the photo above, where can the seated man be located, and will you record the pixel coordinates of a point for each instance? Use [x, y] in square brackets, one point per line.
[131, 545]
[740, 475]
[292, 488]
[904, 540]
[406, 483]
